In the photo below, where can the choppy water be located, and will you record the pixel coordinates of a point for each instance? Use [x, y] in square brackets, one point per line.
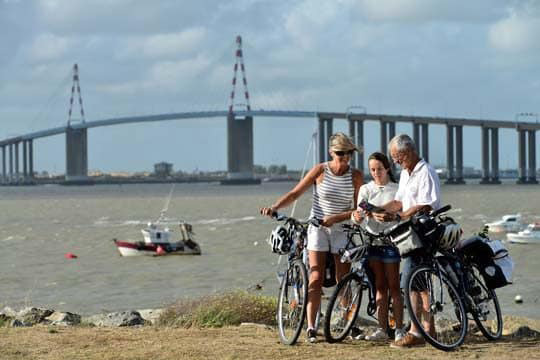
[38, 225]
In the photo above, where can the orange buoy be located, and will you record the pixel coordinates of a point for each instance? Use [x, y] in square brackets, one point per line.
[70, 256]
[160, 250]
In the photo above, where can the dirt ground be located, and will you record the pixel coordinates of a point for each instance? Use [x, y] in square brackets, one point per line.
[242, 342]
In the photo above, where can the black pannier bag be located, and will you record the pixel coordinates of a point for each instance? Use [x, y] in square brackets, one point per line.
[492, 259]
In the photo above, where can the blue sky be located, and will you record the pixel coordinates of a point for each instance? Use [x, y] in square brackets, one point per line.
[475, 59]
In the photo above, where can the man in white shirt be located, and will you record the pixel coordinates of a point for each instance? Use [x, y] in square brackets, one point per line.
[419, 190]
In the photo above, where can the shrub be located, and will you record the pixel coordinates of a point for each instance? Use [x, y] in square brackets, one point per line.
[231, 308]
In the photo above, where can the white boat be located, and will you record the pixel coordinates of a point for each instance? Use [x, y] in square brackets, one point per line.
[531, 235]
[157, 241]
[508, 224]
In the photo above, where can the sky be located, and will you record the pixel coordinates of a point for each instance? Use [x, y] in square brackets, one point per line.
[455, 58]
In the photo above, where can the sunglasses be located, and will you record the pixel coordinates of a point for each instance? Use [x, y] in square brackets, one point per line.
[343, 153]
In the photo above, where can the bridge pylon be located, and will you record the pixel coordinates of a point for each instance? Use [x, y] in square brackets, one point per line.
[239, 132]
[76, 140]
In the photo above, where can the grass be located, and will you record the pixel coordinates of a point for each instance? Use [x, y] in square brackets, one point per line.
[229, 309]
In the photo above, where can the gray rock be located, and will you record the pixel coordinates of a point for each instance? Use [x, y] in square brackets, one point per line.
[124, 318]
[16, 323]
[151, 315]
[31, 316]
[525, 332]
[63, 319]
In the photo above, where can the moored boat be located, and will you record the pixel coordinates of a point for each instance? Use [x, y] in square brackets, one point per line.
[508, 224]
[158, 241]
[531, 235]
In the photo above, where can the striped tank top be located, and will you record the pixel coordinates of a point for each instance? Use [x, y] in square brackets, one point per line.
[334, 195]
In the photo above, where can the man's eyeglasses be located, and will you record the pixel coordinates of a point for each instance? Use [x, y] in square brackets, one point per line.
[398, 158]
[343, 153]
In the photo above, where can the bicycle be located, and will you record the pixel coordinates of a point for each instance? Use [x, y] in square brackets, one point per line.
[293, 290]
[450, 286]
[344, 304]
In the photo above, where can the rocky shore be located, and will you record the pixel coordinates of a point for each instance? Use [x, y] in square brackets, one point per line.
[31, 316]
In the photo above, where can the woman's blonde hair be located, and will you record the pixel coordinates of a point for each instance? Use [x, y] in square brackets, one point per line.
[341, 142]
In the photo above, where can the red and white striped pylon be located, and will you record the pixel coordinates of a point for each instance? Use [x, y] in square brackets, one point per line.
[239, 59]
[75, 83]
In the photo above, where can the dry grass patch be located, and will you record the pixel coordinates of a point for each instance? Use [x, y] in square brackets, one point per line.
[227, 309]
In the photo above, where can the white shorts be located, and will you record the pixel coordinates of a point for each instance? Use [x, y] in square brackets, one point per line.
[324, 238]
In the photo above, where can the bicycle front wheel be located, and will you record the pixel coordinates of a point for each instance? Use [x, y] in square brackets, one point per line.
[292, 302]
[342, 308]
[435, 307]
[487, 311]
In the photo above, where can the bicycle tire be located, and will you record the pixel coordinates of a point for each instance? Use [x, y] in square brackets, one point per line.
[292, 302]
[449, 333]
[486, 304]
[339, 319]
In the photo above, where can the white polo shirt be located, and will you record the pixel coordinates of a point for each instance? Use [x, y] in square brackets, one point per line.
[421, 187]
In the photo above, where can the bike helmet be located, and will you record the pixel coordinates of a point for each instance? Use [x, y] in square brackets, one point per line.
[280, 240]
[450, 236]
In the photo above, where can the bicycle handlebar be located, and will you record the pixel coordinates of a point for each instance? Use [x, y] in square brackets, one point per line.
[281, 217]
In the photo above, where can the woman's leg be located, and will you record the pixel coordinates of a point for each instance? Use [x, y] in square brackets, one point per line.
[317, 264]
[381, 287]
[392, 275]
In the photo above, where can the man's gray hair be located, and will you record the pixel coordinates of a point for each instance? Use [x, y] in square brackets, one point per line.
[402, 142]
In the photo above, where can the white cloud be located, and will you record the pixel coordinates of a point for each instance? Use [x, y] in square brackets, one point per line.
[515, 34]
[171, 44]
[46, 47]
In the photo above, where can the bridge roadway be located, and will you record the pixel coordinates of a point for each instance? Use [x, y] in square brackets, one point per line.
[76, 140]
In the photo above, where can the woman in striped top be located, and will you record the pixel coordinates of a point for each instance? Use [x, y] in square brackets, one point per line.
[335, 190]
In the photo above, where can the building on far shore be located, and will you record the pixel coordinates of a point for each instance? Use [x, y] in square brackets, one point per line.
[163, 169]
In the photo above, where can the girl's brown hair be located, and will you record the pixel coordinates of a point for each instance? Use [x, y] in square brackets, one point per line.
[386, 163]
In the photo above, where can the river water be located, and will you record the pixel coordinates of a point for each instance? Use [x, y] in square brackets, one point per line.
[39, 224]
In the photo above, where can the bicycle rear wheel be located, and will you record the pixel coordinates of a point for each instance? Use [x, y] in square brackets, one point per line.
[487, 313]
[292, 302]
[431, 299]
[342, 308]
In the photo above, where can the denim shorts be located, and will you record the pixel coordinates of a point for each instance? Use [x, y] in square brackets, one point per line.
[407, 265]
[386, 254]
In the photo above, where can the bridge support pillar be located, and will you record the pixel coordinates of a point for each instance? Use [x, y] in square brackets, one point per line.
[459, 155]
[76, 156]
[31, 159]
[240, 151]
[4, 177]
[17, 169]
[326, 128]
[531, 179]
[356, 133]
[25, 162]
[450, 154]
[522, 174]
[10, 180]
[490, 177]
[425, 142]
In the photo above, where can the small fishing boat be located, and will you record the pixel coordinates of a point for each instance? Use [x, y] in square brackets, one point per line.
[508, 224]
[531, 235]
[157, 242]
[159, 239]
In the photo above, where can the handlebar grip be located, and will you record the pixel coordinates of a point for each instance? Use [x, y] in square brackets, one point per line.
[441, 210]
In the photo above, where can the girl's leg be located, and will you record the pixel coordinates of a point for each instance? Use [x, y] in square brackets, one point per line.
[381, 287]
[317, 263]
[392, 275]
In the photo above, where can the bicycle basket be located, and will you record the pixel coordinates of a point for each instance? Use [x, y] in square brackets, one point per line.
[280, 240]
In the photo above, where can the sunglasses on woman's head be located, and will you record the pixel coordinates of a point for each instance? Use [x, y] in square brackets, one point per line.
[343, 153]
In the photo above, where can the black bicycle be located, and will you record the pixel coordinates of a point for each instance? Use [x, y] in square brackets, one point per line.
[344, 304]
[445, 287]
[293, 290]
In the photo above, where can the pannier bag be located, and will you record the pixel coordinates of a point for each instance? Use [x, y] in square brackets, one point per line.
[405, 239]
[492, 258]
